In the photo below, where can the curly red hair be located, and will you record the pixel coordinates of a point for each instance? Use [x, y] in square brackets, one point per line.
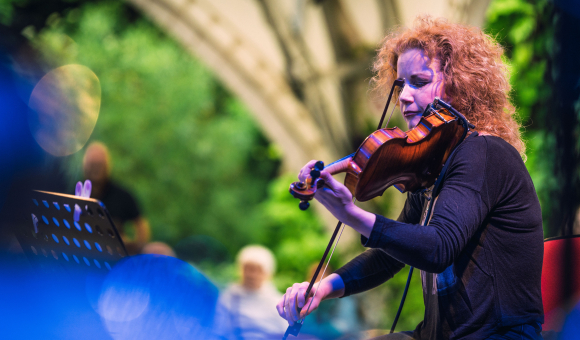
[476, 78]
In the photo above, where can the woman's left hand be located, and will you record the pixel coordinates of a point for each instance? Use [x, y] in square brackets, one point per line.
[334, 196]
[337, 199]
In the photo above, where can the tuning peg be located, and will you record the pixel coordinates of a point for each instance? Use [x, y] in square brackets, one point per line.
[319, 166]
[300, 185]
[314, 174]
[303, 205]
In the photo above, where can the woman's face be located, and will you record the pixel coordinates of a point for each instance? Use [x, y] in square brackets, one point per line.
[423, 82]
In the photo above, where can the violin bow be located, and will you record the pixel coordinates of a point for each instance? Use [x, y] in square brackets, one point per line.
[294, 329]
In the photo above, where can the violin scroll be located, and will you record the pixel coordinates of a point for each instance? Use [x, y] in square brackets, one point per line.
[305, 191]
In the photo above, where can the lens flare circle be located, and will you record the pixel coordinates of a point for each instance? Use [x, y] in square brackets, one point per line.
[122, 304]
[64, 108]
[157, 297]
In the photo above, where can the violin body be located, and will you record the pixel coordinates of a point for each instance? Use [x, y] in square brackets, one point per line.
[409, 160]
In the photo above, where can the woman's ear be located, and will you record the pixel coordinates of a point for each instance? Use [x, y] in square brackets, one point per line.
[444, 95]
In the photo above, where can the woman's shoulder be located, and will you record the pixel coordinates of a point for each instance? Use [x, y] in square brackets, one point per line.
[484, 146]
[487, 158]
[480, 157]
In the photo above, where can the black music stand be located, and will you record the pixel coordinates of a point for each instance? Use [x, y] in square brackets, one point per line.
[52, 240]
[53, 267]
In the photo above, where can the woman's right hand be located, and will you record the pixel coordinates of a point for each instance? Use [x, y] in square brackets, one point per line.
[331, 286]
[294, 299]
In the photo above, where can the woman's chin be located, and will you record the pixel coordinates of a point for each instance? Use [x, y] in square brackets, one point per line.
[411, 123]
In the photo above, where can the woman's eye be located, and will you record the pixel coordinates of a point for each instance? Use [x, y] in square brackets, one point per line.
[420, 83]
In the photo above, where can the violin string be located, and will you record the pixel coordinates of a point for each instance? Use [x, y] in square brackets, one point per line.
[326, 266]
[392, 111]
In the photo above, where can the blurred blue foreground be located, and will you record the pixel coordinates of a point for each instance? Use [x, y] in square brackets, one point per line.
[142, 297]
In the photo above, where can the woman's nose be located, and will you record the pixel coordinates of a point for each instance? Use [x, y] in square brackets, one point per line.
[406, 96]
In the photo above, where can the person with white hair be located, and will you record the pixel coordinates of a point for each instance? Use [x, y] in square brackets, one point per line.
[245, 309]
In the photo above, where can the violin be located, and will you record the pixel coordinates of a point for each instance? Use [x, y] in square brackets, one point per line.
[409, 161]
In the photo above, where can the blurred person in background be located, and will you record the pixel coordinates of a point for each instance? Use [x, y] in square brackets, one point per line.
[121, 205]
[158, 248]
[246, 309]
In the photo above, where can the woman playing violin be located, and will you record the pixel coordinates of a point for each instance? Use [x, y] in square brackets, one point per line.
[480, 255]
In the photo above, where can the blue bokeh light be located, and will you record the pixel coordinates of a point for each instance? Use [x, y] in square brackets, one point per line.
[157, 297]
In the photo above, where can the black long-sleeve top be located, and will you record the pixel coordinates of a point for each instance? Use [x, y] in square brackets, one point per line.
[481, 254]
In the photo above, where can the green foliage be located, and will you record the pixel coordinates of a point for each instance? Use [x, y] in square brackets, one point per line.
[188, 149]
[524, 29]
[297, 237]
[7, 10]
[539, 168]
[183, 144]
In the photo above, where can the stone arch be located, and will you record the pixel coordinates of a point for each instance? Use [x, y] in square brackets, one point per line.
[300, 66]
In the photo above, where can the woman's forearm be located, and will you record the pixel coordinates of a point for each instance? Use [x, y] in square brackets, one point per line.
[337, 199]
[333, 287]
[360, 220]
